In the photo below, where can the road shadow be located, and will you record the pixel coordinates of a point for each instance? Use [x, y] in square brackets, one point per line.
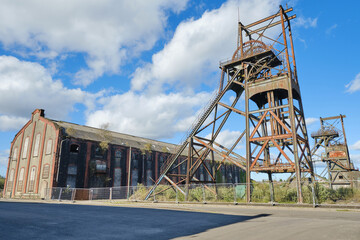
[63, 221]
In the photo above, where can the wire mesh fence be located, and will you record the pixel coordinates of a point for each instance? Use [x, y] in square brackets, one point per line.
[261, 192]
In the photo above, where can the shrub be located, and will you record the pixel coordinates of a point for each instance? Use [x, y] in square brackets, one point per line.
[260, 192]
[2, 182]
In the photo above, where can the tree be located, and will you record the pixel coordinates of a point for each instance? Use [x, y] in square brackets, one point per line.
[2, 182]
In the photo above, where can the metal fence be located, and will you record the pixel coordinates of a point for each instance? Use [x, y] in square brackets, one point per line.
[283, 192]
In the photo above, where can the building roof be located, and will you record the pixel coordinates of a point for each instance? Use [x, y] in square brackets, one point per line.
[102, 135]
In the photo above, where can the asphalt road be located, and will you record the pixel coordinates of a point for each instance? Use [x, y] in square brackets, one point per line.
[25, 220]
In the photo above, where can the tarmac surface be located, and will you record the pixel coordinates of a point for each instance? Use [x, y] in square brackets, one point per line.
[104, 220]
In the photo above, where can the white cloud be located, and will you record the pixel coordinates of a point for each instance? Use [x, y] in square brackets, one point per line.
[25, 86]
[306, 22]
[4, 158]
[107, 31]
[227, 138]
[355, 146]
[189, 59]
[153, 116]
[330, 29]
[355, 158]
[194, 52]
[11, 123]
[309, 121]
[354, 85]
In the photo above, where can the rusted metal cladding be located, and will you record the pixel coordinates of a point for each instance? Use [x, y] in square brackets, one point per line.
[337, 154]
[278, 84]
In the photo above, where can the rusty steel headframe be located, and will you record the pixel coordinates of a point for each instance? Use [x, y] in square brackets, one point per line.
[262, 71]
[332, 149]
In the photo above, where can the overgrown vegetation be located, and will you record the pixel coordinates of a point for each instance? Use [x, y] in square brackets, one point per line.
[104, 145]
[339, 195]
[283, 193]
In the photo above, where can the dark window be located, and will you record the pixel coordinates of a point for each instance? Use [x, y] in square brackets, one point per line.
[74, 148]
[118, 159]
[117, 177]
[99, 152]
[100, 166]
[71, 176]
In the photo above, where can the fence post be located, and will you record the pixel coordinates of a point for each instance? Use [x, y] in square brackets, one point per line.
[60, 194]
[91, 194]
[271, 188]
[110, 195]
[234, 187]
[128, 193]
[313, 193]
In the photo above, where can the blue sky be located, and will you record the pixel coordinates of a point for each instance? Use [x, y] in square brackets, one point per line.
[146, 67]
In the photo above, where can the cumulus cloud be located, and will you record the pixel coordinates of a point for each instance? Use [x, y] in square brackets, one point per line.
[227, 138]
[355, 158]
[153, 116]
[11, 123]
[163, 99]
[4, 157]
[354, 85]
[306, 22]
[106, 31]
[193, 53]
[25, 86]
[309, 121]
[355, 146]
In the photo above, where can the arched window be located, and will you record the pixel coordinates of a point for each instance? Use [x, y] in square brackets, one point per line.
[25, 148]
[15, 154]
[37, 145]
[48, 147]
[10, 180]
[21, 180]
[99, 152]
[46, 171]
[32, 179]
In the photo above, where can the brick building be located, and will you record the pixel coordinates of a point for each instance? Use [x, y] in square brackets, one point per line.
[47, 153]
